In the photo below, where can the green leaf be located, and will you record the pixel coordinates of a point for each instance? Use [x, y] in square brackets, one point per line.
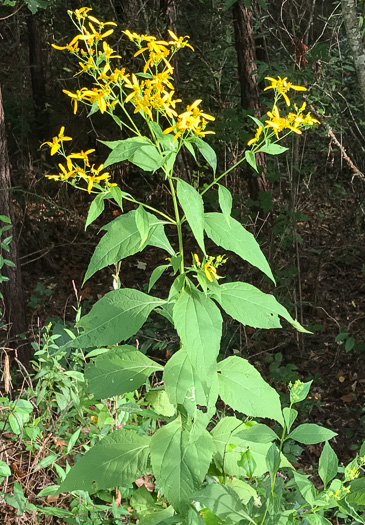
[96, 208]
[251, 307]
[225, 201]
[73, 439]
[258, 433]
[123, 369]
[272, 460]
[357, 493]
[142, 223]
[116, 460]
[310, 434]
[157, 518]
[273, 149]
[210, 518]
[206, 151]
[234, 237]
[4, 469]
[316, 519]
[242, 388]
[290, 415]
[156, 274]
[193, 206]
[5, 218]
[138, 150]
[180, 461]
[244, 490]
[188, 385]
[124, 239]
[160, 403]
[305, 487]
[227, 432]
[198, 322]
[328, 464]
[223, 502]
[47, 461]
[247, 462]
[251, 159]
[229, 4]
[114, 318]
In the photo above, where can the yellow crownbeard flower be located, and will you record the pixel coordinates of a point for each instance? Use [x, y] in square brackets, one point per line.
[138, 38]
[256, 137]
[192, 120]
[210, 266]
[95, 177]
[179, 42]
[57, 141]
[64, 174]
[279, 123]
[84, 155]
[282, 86]
[82, 12]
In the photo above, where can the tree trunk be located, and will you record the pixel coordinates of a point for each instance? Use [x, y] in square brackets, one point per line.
[250, 94]
[12, 289]
[357, 46]
[37, 75]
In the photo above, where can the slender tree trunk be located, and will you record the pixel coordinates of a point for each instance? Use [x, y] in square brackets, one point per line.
[357, 45]
[250, 94]
[37, 75]
[12, 289]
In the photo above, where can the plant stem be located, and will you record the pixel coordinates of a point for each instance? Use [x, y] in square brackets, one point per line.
[178, 223]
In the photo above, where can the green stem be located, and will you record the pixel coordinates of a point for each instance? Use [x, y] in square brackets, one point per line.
[222, 175]
[178, 223]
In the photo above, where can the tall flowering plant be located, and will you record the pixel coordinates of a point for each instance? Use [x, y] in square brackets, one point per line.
[202, 468]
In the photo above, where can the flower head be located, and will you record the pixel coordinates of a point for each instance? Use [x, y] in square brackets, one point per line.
[256, 137]
[57, 141]
[282, 86]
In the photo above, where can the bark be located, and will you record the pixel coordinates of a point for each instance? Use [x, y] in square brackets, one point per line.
[357, 45]
[12, 289]
[250, 94]
[37, 74]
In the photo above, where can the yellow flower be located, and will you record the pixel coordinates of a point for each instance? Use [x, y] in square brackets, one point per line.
[256, 137]
[84, 155]
[179, 42]
[108, 52]
[95, 177]
[79, 95]
[137, 37]
[57, 141]
[72, 46]
[279, 123]
[210, 266]
[192, 120]
[82, 12]
[282, 86]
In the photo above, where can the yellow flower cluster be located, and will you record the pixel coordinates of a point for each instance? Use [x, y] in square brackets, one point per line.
[154, 94]
[210, 265]
[293, 122]
[87, 173]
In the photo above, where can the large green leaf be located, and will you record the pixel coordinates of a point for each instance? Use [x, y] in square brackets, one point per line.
[189, 386]
[138, 150]
[228, 432]
[157, 518]
[114, 318]
[224, 502]
[251, 307]
[121, 370]
[193, 206]
[123, 239]
[205, 150]
[242, 388]
[231, 235]
[225, 201]
[199, 324]
[180, 461]
[328, 464]
[117, 460]
[310, 434]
